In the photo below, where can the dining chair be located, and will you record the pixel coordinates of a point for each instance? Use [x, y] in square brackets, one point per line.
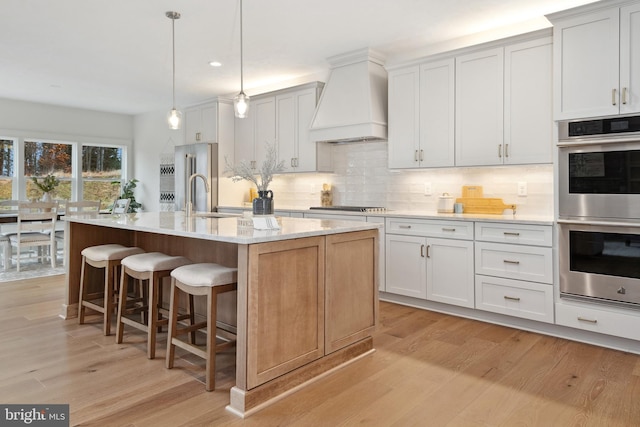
[7, 207]
[86, 208]
[120, 206]
[36, 225]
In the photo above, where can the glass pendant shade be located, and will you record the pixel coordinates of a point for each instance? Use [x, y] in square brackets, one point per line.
[174, 118]
[241, 105]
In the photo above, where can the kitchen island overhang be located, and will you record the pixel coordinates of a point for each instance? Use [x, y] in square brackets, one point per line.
[307, 300]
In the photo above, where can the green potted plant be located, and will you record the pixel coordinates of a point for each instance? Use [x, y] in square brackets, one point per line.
[127, 193]
[47, 185]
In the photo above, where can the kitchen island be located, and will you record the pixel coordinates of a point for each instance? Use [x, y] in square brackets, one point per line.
[307, 298]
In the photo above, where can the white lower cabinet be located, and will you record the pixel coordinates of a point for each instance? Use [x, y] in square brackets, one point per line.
[519, 262]
[432, 268]
[514, 270]
[515, 298]
[604, 320]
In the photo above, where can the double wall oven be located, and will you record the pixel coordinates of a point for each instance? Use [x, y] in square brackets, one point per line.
[599, 210]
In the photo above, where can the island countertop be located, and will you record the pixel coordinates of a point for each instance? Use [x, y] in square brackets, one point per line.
[222, 228]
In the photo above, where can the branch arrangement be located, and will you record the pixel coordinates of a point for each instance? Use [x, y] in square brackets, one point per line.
[261, 178]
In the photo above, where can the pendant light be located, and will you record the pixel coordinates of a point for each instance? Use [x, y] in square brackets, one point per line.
[241, 101]
[175, 116]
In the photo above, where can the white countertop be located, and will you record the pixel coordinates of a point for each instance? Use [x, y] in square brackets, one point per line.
[517, 218]
[225, 229]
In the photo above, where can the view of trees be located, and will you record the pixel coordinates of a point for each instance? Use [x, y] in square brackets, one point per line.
[6, 157]
[43, 158]
[100, 167]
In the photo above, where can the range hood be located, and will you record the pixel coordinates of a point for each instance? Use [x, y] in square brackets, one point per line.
[353, 104]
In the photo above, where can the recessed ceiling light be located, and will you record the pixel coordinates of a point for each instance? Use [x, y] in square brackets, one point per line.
[215, 63]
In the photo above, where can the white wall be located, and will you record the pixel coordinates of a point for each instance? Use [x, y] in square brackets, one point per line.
[21, 118]
[153, 138]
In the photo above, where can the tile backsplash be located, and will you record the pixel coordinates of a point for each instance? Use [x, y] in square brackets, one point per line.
[361, 177]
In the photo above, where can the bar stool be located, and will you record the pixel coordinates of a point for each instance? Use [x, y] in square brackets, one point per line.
[151, 267]
[107, 257]
[199, 279]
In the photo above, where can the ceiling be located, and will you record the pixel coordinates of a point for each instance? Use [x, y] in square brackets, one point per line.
[116, 55]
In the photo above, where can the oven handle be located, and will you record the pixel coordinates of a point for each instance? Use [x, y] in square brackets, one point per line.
[596, 222]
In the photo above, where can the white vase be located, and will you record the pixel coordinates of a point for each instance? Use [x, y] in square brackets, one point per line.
[46, 197]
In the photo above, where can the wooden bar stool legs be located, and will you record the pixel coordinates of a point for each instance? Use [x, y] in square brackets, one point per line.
[107, 257]
[199, 279]
[151, 267]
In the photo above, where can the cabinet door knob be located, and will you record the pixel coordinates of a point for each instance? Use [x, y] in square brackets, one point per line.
[613, 96]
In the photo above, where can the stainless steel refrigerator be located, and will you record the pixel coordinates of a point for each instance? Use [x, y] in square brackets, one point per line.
[197, 158]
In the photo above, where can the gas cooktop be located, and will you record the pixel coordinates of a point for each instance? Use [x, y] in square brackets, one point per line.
[369, 209]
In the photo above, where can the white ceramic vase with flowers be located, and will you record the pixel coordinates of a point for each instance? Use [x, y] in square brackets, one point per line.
[47, 185]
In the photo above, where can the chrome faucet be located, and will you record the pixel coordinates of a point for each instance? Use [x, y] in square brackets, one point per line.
[189, 205]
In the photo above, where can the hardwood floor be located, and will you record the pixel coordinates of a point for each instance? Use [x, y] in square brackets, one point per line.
[429, 369]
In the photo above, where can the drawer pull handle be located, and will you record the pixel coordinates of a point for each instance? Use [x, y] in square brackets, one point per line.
[511, 233]
[584, 319]
[508, 261]
[511, 298]
[404, 226]
[448, 229]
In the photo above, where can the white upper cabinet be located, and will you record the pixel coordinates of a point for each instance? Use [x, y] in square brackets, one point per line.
[421, 115]
[282, 118]
[528, 91]
[437, 113]
[294, 112]
[597, 62]
[210, 122]
[404, 117]
[630, 59]
[479, 108]
[483, 106]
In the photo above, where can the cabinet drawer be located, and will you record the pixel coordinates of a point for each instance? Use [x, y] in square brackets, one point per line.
[515, 298]
[430, 228]
[530, 263]
[589, 318]
[539, 235]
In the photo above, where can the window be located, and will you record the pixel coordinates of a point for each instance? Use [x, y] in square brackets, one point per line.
[44, 158]
[6, 169]
[101, 173]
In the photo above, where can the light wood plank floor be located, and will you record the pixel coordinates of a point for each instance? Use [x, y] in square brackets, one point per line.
[429, 370]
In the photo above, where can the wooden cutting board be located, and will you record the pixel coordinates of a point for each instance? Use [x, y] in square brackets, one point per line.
[472, 191]
[484, 205]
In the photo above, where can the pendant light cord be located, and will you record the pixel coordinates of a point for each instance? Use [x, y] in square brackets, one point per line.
[173, 39]
[241, 53]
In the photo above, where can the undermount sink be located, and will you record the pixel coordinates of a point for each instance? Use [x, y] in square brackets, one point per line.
[212, 215]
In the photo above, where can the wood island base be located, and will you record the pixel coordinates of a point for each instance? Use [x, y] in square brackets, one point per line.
[307, 298]
[245, 403]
